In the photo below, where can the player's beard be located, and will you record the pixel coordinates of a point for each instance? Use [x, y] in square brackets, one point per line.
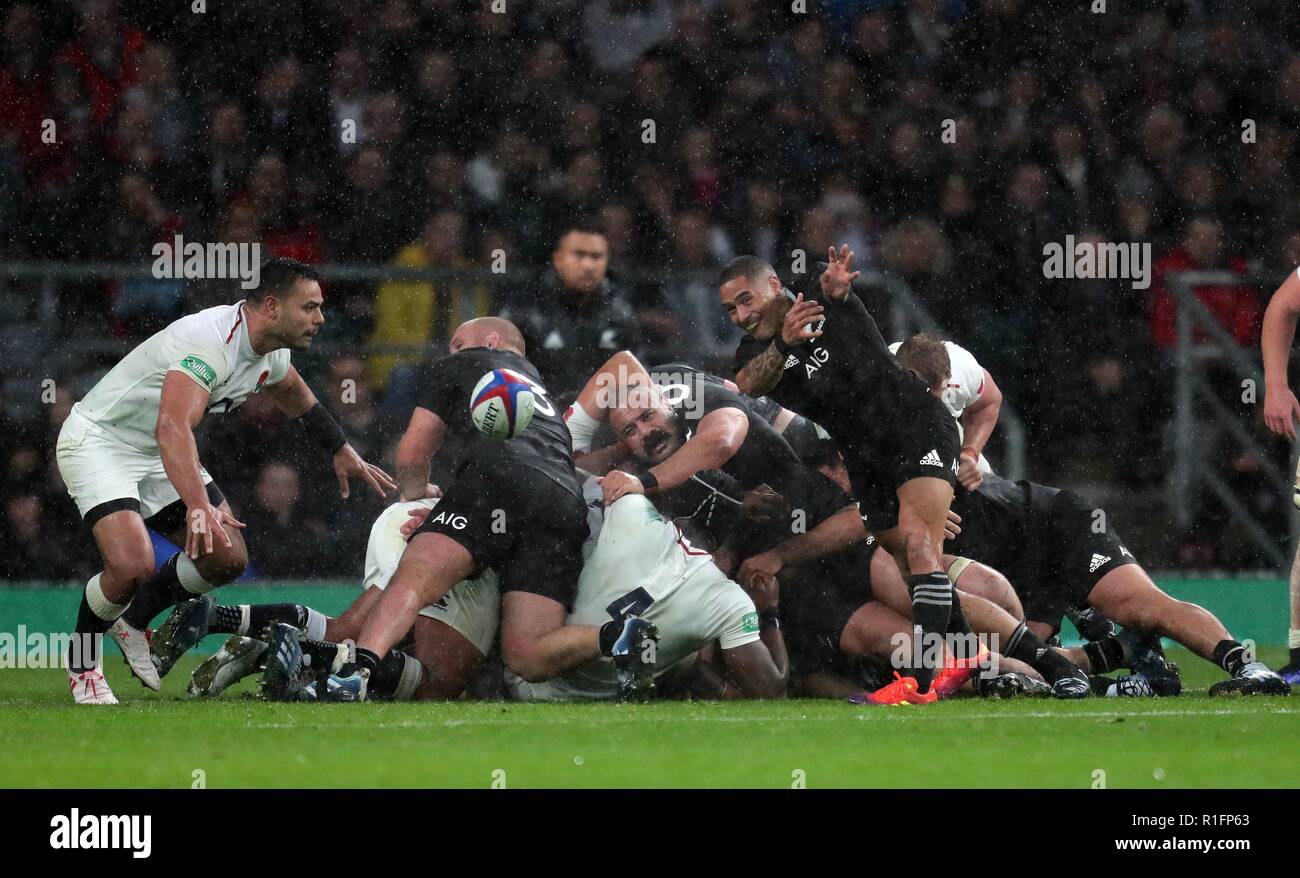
[658, 446]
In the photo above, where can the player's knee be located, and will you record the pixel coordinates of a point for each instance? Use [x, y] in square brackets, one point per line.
[521, 656]
[224, 567]
[130, 572]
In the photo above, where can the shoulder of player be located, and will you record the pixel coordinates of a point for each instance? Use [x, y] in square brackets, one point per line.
[208, 334]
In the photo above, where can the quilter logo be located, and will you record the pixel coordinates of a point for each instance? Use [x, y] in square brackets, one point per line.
[77, 831]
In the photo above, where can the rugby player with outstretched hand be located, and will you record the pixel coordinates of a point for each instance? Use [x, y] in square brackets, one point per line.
[127, 455]
[821, 354]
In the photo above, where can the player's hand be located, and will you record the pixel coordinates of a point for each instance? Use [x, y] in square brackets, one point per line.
[201, 522]
[758, 573]
[795, 329]
[839, 274]
[618, 483]
[1281, 411]
[415, 518]
[348, 463]
[952, 527]
[763, 505]
[431, 492]
[968, 471]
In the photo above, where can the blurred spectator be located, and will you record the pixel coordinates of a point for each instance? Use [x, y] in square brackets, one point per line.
[284, 539]
[415, 313]
[574, 318]
[1237, 307]
[479, 135]
[617, 32]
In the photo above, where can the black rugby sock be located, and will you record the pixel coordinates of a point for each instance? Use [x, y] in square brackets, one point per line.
[1024, 645]
[932, 598]
[1105, 655]
[87, 642]
[162, 590]
[1230, 655]
[229, 619]
[385, 673]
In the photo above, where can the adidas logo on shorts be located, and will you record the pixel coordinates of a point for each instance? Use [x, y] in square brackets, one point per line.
[932, 459]
[1097, 562]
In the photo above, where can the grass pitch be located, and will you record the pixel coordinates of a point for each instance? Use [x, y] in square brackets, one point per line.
[163, 739]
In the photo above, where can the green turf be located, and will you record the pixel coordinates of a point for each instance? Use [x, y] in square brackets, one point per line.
[160, 740]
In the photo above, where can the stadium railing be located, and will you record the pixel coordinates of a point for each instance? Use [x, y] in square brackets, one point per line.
[1199, 411]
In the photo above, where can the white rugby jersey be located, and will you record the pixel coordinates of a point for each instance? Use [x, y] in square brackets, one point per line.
[211, 348]
[639, 564]
[966, 383]
[965, 386]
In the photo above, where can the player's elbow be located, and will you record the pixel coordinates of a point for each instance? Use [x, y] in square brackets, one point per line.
[766, 685]
[525, 661]
[168, 429]
[765, 681]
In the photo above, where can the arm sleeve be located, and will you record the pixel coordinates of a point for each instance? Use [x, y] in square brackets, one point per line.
[732, 615]
[279, 366]
[201, 360]
[444, 389]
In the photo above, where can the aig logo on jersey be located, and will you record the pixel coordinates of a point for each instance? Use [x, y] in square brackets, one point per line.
[450, 518]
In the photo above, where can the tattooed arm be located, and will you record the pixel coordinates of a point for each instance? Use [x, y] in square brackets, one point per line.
[762, 373]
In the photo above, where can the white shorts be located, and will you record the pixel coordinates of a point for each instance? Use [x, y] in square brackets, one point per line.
[473, 606]
[98, 469]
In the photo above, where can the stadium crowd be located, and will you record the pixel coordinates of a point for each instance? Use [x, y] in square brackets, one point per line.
[686, 131]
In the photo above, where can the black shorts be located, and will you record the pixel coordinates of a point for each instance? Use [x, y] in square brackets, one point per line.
[925, 445]
[818, 602]
[1075, 547]
[519, 523]
[168, 521]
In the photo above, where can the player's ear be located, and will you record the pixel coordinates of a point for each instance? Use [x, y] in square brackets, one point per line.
[493, 340]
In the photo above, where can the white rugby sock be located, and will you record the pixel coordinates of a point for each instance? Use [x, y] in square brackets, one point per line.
[316, 622]
[99, 604]
[412, 674]
[187, 574]
[1293, 638]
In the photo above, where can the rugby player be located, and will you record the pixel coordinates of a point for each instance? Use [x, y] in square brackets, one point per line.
[514, 506]
[678, 590]
[822, 355]
[1059, 552]
[422, 670]
[1281, 410]
[128, 456]
[708, 425]
[965, 387]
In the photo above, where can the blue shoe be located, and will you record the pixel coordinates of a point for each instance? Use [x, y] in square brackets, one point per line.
[184, 628]
[282, 679]
[634, 659]
[1290, 675]
[350, 688]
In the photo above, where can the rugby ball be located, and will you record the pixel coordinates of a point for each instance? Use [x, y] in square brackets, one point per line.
[502, 404]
